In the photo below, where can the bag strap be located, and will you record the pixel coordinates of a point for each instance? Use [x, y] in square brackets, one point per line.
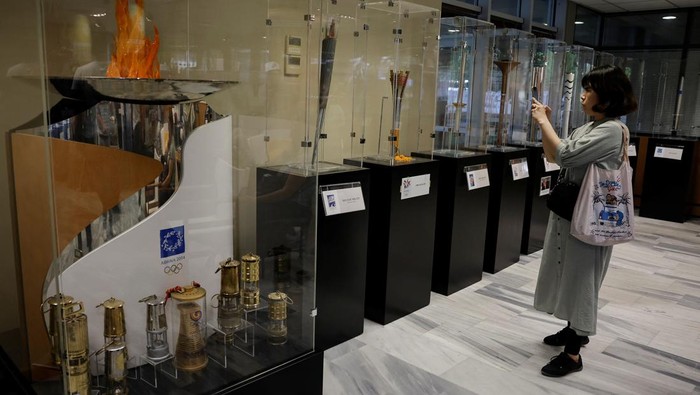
[625, 140]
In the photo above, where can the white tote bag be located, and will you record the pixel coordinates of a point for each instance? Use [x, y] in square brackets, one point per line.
[604, 211]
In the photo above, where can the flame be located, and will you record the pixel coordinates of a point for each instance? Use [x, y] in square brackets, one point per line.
[134, 56]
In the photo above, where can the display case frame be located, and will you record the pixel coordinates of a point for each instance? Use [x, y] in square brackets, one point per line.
[120, 217]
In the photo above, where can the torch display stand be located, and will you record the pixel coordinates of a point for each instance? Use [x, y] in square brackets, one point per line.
[341, 246]
[667, 178]
[536, 213]
[400, 237]
[506, 209]
[458, 256]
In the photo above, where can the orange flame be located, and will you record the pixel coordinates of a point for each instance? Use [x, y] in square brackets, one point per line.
[134, 56]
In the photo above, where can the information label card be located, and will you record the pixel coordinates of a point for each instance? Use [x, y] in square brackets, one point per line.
[478, 178]
[632, 150]
[415, 186]
[668, 153]
[344, 200]
[519, 168]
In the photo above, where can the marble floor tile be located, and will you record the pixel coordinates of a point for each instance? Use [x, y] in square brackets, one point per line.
[487, 338]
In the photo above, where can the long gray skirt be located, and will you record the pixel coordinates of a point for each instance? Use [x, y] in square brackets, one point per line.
[570, 277]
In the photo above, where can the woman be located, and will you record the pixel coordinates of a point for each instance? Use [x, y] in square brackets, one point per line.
[571, 272]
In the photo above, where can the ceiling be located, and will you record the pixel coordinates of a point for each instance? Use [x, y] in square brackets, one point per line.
[609, 6]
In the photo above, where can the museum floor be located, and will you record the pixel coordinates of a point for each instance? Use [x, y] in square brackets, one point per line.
[487, 338]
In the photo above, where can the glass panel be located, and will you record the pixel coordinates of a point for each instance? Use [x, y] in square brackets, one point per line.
[689, 116]
[579, 61]
[465, 65]
[548, 82]
[510, 7]
[695, 28]
[179, 164]
[400, 70]
[586, 27]
[543, 11]
[655, 78]
[633, 30]
[509, 97]
[603, 58]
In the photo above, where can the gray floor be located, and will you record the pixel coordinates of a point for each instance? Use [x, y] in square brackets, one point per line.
[487, 338]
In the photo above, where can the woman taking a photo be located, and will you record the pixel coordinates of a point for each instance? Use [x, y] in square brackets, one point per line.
[572, 272]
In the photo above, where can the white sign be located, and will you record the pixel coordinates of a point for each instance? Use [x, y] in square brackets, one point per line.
[478, 179]
[519, 170]
[545, 185]
[550, 166]
[344, 200]
[668, 153]
[632, 150]
[415, 186]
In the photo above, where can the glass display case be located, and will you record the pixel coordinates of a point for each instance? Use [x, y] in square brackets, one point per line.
[655, 81]
[579, 61]
[547, 83]
[508, 102]
[603, 58]
[464, 76]
[140, 179]
[400, 68]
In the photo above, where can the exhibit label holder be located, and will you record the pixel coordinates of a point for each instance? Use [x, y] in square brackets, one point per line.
[667, 178]
[400, 237]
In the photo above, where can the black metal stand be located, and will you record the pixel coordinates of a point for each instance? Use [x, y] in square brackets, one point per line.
[667, 181]
[400, 240]
[536, 212]
[458, 257]
[506, 210]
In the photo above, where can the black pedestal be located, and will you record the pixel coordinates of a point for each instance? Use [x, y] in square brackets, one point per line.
[458, 257]
[536, 213]
[400, 240]
[341, 265]
[283, 224]
[301, 377]
[506, 210]
[667, 182]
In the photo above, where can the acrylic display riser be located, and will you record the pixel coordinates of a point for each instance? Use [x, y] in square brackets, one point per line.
[536, 213]
[458, 256]
[341, 243]
[249, 372]
[667, 181]
[506, 210]
[400, 239]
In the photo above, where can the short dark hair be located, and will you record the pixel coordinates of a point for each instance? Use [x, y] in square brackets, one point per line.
[614, 90]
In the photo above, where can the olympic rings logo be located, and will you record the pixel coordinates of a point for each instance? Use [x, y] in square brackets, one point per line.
[173, 269]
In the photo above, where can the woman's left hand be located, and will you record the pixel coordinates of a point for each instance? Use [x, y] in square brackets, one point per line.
[540, 112]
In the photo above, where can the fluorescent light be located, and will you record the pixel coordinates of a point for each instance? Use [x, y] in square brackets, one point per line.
[578, 23]
[453, 30]
[669, 17]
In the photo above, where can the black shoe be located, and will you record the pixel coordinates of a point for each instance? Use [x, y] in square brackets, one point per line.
[561, 365]
[559, 338]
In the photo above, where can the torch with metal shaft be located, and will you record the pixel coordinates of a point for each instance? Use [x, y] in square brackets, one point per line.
[568, 92]
[459, 105]
[538, 70]
[327, 58]
[398, 80]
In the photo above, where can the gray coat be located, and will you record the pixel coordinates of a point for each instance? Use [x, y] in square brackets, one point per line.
[572, 271]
